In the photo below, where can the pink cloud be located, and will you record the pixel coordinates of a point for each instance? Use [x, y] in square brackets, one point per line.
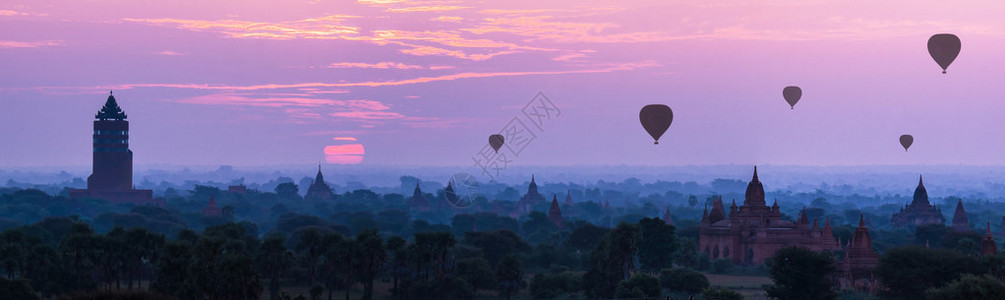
[368, 115]
[418, 80]
[244, 100]
[170, 53]
[7, 44]
[380, 65]
[449, 19]
[344, 138]
[426, 8]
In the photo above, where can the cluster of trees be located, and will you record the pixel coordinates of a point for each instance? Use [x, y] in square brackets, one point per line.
[60, 256]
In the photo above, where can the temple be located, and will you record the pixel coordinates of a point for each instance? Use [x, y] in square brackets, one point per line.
[856, 270]
[112, 162]
[753, 232]
[919, 212]
[418, 200]
[555, 213]
[960, 222]
[531, 199]
[319, 190]
[988, 246]
[211, 209]
[568, 198]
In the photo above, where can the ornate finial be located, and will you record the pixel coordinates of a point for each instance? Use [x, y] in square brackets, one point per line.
[755, 173]
[861, 220]
[111, 110]
[921, 180]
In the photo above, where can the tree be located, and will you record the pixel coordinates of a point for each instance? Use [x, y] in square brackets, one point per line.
[638, 286]
[969, 287]
[683, 280]
[715, 293]
[509, 276]
[800, 273]
[288, 191]
[586, 237]
[477, 272]
[656, 245]
[273, 261]
[612, 261]
[547, 286]
[900, 270]
[497, 244]
[370, 257]
[16, 290]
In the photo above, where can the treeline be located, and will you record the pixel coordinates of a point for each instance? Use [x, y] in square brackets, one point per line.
[58, 256]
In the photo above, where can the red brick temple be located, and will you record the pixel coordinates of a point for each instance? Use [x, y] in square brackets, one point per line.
[753, 232]
[856, 270]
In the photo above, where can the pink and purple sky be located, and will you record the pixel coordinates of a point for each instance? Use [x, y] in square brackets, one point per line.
[425, 82]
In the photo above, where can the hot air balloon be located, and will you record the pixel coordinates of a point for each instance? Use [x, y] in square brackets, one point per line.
[944, 48]
[496, 141]
[656, 119]
[792, 95]
[906, 141]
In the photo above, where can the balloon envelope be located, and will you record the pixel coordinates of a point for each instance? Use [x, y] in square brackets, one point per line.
[944, 48]
[656, 119]
[906, 141]
[792, 95]
[496, 141]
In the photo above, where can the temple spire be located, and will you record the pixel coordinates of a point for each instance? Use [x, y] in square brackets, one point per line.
[861, 220]
[110, 110]
[755, 174]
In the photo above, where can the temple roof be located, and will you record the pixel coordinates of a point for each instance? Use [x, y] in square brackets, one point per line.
[920, 194]
[111, 110]
[319, 177]
[755, 192]
[718, 211]
[960, 217]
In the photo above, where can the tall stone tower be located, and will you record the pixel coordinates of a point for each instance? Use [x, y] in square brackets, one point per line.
[112, 165]
[112, 162]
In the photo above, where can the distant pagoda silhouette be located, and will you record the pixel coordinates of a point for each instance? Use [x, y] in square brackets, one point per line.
[112, 162]
[319, 190]
[919, 212]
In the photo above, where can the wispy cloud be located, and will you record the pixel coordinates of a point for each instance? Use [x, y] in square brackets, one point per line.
[344, 138]
[169, 53]
[426, 8]
[315, 85]
[380, 65]
[7, 44]
[368, 115]
[539, 28]
[249, 100]
[327, 27]
[449, 19]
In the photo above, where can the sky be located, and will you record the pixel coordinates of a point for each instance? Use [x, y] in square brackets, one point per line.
[400, 82]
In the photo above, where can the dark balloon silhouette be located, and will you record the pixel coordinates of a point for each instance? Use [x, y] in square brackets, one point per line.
[906, 141]
[792, 95]
[656, 119]
[944, 48]
[496, 141]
